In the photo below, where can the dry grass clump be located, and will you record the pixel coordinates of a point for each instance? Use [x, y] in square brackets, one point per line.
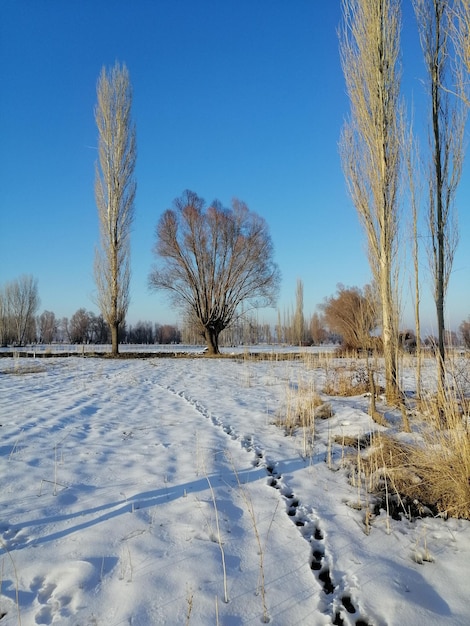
[432, 475]
[299, 411]
[349, 441]
[449, 412]
[390, 460]
[20, 370]
[302, 406]
[324, 411]
[347, 380]
[445, 472]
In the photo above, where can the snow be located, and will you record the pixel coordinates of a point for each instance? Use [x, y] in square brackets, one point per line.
[128, 485]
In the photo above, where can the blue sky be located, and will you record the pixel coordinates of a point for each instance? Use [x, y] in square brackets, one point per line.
[240, 98]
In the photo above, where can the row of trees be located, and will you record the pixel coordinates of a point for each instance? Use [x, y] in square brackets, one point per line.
[350, 317]
[20, 324]
[83, 327]
[210, 260]
[376, 146]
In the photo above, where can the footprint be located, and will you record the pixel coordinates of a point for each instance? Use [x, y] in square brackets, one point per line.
[44, 615]
[13, 537]
[325, 578]
[44, 597]
[317, 558]
[348, 605]
[45, 593]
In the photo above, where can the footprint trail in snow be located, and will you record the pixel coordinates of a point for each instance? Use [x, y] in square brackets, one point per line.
[337, 602]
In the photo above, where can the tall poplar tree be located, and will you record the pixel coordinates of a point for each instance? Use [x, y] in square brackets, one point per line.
[115, 190]
[299, 320]
[370, 147]
[446, 134]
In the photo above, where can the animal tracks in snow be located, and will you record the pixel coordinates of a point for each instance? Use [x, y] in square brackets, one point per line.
[57, 596]
[337, 602]
[48, 606]
[12, 538]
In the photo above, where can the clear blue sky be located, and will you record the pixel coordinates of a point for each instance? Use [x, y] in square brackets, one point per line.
[240, 98]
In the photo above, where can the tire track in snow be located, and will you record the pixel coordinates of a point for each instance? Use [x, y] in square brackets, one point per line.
[337, 600]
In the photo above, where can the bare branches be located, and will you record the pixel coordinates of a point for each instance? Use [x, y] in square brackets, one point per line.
[214, 260]
[460, 30]
[353, 314]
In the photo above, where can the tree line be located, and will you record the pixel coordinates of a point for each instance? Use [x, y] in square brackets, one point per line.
[383, 162]
[350, 319]
[20, 323]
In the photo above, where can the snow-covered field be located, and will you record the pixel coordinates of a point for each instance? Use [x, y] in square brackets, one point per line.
[130, 486]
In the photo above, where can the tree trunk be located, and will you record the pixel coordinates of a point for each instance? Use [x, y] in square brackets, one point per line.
[441, 355]
[212, 339]
[115, 339]
[389, 336]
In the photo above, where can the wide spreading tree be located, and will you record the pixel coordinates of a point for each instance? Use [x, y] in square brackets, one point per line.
[212, 260]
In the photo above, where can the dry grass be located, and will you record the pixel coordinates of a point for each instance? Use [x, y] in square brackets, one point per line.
[347, 380]
[22, 369]
[429, 476]
[301, 404]
[430, 472]
[444, 467]
[301, 407]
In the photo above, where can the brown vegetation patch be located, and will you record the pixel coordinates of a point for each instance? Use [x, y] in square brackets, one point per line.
[324, 411]
[352, 380]
[17, 370]
[432, 476]
[348, 441]
[300, 409]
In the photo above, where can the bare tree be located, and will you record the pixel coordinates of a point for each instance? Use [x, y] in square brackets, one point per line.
[279, 328]
[370, 146]
[5, 319]
[115, 190]
[353, 314]
[214, 261]
[64, 330]
[80, 326]
[446, 133]
[414, 177]
[47, 325]
[22, 302]
[317, 329]
[169, 334]
[465, 332]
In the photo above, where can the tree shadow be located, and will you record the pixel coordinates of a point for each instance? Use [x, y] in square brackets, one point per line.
[113, 510]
